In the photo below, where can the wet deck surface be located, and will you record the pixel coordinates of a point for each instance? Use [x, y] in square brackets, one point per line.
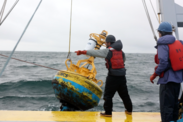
[56, 116]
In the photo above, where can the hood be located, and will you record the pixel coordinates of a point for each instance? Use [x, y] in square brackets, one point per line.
[117, 45]
[167, 39]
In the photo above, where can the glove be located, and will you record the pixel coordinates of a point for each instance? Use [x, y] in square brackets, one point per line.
[79, 52]
[153, 76]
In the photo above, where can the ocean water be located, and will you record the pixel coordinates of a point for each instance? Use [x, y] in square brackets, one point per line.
[28, 87]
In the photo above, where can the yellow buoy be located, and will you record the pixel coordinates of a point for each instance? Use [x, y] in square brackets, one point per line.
[77, 85]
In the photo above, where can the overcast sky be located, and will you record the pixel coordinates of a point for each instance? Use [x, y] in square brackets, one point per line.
[49, 29]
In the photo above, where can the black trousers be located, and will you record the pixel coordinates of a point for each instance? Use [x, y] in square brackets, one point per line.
[113, 84]
[169, 101]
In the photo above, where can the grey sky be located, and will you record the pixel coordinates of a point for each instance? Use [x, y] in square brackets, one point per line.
[49, 29]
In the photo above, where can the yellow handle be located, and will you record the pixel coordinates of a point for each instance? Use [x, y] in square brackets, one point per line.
[66, 63]
[101, 83]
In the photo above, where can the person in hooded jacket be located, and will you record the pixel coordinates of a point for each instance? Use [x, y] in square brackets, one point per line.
[169, 71]
[116, 80]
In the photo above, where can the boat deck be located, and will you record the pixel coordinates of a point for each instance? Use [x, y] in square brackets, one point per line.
[77, 116]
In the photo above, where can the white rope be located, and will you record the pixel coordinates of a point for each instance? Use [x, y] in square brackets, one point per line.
[9, 12]
[70, 30]
[148, 17]
[2, 10]
[19, 40]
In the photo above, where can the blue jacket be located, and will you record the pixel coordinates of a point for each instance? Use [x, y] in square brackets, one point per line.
[164, 62]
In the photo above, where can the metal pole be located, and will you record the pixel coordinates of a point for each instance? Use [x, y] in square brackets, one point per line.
[19, 39]
[159, 10]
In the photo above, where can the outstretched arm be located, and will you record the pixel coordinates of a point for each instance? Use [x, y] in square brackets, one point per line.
[98, 53]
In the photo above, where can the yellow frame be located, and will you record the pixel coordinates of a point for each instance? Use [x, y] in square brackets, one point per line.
[91, 74]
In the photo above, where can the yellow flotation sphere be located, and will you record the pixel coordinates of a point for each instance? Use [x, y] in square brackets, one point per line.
[76, 90]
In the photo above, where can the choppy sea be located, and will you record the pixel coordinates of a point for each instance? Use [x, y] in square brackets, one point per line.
[28, 87]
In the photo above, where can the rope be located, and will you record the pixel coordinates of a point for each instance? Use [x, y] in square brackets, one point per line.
[9, 12]
[70, 31]
[30, 62]
[19, 39]
[154, 10]
[2, 10]
[148, 17]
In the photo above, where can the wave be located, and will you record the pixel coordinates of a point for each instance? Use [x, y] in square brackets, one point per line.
[23, 87]
[26, 98]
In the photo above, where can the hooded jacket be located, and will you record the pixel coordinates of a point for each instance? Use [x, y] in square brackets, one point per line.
[107, 54]
[164, 61]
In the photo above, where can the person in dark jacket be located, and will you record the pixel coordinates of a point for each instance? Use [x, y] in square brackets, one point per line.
[116, 80]
[169, 79]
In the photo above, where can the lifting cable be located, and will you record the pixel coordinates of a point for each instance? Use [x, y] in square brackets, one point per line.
[19, 40]
[30, 62]
[154, 11]
[148, 17]
[8, 12]
[70, 30]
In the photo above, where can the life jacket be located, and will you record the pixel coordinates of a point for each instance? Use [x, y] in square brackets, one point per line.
[175, 56]
[116, 61]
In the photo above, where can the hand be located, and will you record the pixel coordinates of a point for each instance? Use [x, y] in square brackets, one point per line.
[153, 76]
[79, 52]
